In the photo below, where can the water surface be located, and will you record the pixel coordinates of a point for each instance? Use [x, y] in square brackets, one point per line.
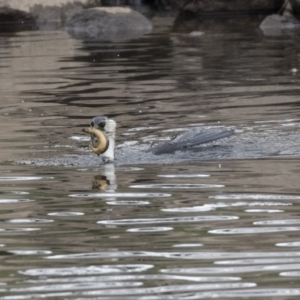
[221, 223]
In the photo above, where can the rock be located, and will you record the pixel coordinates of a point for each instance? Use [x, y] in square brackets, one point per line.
[185, 24]
[12, 20]
[227, 6]
[277, 25]
[196, 33]
[45, 14]
[108, 23]
[295, 6]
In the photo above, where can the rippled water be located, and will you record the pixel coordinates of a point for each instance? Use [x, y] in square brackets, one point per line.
[220, 223]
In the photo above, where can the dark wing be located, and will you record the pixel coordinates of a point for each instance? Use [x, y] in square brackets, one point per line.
[190, 139]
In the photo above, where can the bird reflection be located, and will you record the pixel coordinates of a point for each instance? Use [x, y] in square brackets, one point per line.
[106, 180]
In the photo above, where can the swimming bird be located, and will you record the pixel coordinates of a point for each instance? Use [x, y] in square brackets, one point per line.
[103, 133]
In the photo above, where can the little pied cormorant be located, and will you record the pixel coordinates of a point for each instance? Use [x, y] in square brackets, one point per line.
[103, 132]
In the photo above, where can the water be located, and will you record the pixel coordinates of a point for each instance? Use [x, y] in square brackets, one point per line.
[222, 223]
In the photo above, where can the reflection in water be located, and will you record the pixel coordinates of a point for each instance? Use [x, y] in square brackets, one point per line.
[168, 227]
[107, 180]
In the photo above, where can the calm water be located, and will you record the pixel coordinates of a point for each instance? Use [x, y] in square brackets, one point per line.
[216, 224]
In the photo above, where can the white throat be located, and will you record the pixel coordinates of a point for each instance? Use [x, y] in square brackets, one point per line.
[110, 132]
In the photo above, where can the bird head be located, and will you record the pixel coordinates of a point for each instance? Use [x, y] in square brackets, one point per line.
[103, 123]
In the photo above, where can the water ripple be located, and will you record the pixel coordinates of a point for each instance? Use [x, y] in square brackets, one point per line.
[268, 211]
[135, 277]
[252, 230]
[19, 193]
[244, 293]
[176, 255]
[184, 175]
[19, 229]
[76, 286]
[277, 222]
[229, 270]
[258, 261]
[4, 201]
[23, 178]
[177, 186]
[288, 244]
[30, 252]
[66, 214]
[169, 288]
[167, 220]
[143, 128]
[189, 209]
[35, 296]
[269, 203]
[80, 138]
[150, 229]
[120, 195]
[130, 202]
[255, 197]
[187, 245]
[90, 270]
[213, 206]
[30, 220]
[130, 169]
[291, 274]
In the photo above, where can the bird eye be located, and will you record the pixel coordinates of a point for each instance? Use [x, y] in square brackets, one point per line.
[92, 124]
[102, 124]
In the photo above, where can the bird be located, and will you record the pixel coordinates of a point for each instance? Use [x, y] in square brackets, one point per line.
[103, 132]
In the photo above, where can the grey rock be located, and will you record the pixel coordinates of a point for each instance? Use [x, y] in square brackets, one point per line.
[277, 24]
[108, 23]
[196, 33]
[295, 6]
[46, 14]
[227, 6]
